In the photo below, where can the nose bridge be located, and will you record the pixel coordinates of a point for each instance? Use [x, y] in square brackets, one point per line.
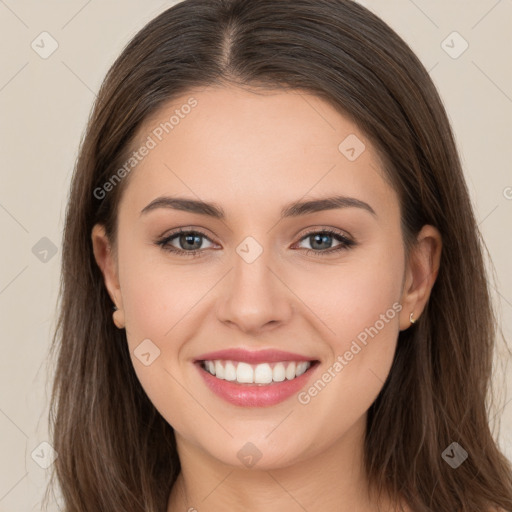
[253, 296]
[252, 266]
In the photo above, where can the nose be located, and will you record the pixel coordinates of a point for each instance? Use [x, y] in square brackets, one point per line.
[254, 298]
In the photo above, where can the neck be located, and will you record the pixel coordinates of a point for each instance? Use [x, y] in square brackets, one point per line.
[330, 480]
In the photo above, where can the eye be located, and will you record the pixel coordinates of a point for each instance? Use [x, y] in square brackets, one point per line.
[321, 242]
[189, 242]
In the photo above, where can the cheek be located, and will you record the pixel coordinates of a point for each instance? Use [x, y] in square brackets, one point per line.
[352, 297]
[157, 295]
[361, 308]
[158, 303]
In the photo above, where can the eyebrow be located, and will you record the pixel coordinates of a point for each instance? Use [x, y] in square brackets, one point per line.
[294, 209]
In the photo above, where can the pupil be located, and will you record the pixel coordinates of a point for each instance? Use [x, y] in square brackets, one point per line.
[322, 238]
[189, 239]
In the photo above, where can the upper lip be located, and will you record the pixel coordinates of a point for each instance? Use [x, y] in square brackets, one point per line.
[253, 356]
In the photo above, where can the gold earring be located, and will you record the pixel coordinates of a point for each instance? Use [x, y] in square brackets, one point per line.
[411, 318]
[118, 318]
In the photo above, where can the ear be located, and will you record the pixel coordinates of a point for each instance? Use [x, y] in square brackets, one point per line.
[107, 262]
[420, 274]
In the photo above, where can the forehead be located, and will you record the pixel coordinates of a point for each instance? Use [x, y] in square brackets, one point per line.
[237, 146]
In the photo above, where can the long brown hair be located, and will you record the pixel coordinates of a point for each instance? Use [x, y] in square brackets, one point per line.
[115, 451]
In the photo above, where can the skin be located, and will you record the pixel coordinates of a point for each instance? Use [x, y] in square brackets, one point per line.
[252, 153]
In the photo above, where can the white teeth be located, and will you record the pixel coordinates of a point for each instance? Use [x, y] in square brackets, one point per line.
[211, 367]
[244, 373]
[264, 373]
[290, 371]
[230, 371]
[219, 370]
[301, 368]
[278, 373]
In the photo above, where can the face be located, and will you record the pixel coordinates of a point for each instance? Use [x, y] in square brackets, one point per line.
[253, 286]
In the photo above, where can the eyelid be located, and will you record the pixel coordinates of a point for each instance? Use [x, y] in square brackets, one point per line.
[188, 229]
[320, 229]
[346, 242]
[310, 230]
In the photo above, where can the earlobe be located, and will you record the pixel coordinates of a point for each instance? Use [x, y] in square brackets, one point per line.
[118, 318]
[106, 261]
[422, 270]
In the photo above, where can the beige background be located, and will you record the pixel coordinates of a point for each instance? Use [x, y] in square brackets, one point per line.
[44, 107]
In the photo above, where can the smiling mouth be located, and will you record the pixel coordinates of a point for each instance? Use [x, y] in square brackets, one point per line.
[261, 374]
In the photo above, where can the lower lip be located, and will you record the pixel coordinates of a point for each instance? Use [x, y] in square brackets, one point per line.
[253, 395]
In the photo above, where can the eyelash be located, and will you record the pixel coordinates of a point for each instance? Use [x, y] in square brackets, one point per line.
[345, 243]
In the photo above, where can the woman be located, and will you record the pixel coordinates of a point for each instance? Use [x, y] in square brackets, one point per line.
[208, 359]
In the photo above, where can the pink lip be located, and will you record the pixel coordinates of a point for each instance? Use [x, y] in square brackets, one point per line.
[253, 357]
[254, 395]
